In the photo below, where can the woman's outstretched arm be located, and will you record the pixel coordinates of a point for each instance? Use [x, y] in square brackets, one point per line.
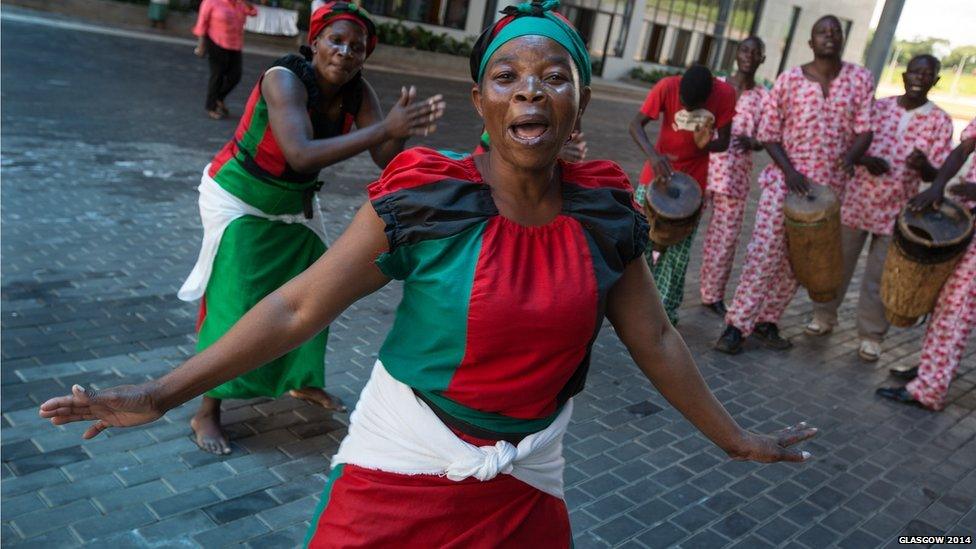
[277, 324]
[635, 310]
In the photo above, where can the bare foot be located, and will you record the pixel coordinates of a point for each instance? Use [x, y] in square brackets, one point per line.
[206, 426]
[320, 397]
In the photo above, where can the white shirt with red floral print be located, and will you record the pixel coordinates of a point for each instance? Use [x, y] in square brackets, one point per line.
[729, 172]
[816, 131]
[872, 202]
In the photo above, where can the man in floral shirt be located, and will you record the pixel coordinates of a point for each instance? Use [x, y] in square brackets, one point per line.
[816, 123]
[910, 135]
[955, 309]
[729, 174]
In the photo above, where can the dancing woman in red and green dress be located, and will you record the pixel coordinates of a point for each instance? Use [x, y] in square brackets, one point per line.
[509, 260]
[258, 201]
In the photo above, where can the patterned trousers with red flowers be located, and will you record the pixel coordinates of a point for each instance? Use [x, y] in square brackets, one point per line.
[721, 237]
[945, 339]
[766, 285]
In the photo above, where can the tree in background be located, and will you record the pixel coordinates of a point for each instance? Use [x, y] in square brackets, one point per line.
[958, 55]
[906, 49]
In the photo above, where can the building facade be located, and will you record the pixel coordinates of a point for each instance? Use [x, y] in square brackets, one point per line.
[662, 34]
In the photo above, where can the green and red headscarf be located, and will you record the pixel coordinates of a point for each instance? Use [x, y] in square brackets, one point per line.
[343, 11]
[535, 18]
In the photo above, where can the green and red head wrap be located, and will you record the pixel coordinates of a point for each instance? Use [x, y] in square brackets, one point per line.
[535, 18]
[343, 11]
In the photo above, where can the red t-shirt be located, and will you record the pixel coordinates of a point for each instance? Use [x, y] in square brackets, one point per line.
[679, 144]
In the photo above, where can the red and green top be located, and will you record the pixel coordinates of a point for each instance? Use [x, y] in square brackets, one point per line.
[497, 319]
[251, 165]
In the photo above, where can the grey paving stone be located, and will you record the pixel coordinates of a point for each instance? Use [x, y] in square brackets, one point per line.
[184, 502]
[246, 483]
[31, 482]
[232, 532]
[131, 475]
[83, 488]
[18, 505]
[617, 530]
[704, 540]
[734, 525]
[285, 515]
[179, 526]
[37, 522]
[132, 496]
[293, 536]
[55, 538]
[663, 535]
[181, 481]
[127, 518]
[239, 507]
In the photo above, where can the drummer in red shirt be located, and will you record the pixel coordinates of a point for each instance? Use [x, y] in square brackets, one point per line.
[696, 107]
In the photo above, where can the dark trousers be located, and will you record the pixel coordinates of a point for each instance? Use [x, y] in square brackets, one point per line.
[225, 73]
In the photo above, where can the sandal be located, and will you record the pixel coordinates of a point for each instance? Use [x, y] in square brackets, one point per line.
[815, 328]
[215, 115]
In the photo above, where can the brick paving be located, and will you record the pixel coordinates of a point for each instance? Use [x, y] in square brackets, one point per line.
[103, 144]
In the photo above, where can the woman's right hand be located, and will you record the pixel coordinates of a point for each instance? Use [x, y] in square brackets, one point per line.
[797, 182]
[408, 118]
[930, 198]
[123, 406]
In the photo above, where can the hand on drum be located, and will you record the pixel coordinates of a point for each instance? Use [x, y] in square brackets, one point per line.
[408, 118]
[874, 165]
[123, 406]
[930, 198]
[775, 446]
[797, 183]
[965, 191]
[661, 167]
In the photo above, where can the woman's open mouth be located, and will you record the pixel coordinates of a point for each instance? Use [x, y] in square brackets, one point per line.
[529, 130]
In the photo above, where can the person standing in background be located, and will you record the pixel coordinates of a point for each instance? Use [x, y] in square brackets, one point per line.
[157, 13]
[220, 29]
[911, 136]
[694, 108]
[729, 174]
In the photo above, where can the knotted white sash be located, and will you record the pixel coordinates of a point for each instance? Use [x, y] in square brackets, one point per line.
[218, 208]
[392, 430]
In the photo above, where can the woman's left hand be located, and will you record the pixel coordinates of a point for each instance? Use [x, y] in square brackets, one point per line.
[965, 191]
[776, 446]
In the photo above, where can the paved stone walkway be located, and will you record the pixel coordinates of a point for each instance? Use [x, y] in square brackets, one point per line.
[103, 144]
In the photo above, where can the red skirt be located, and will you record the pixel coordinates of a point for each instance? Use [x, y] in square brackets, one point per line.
[365, 508]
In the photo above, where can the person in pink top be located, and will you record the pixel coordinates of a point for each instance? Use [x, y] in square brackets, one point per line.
[728, 177]
[910, 135]
[220, 28]
[955, 310]
[816, 122]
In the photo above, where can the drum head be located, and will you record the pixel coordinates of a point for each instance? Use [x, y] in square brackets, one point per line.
[681, 199]
[948, 226]
[813, 207]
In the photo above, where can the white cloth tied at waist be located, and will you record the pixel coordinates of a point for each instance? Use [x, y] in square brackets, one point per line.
[392, 430]
[218, 208]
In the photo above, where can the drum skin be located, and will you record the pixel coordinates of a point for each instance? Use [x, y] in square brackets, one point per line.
[925, 250]
[674, 212]
[813, 241]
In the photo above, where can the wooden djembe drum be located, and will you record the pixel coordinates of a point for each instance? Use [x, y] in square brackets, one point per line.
[925, 249]
[813, 241]
[673, 212]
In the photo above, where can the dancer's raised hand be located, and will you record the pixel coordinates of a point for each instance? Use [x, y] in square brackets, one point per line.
[409, 117]
[123, 406]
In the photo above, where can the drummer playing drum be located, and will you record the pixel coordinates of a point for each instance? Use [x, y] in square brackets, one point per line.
[955, 310]
[815, 123]
[694, 106]
[911, 134]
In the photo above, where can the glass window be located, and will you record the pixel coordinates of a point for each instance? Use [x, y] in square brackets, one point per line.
[679, 51]
[445, 13]
[728, 56]
[655, 42]
[705, 50]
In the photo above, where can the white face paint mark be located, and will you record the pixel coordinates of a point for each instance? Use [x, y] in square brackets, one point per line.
[341, 49]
